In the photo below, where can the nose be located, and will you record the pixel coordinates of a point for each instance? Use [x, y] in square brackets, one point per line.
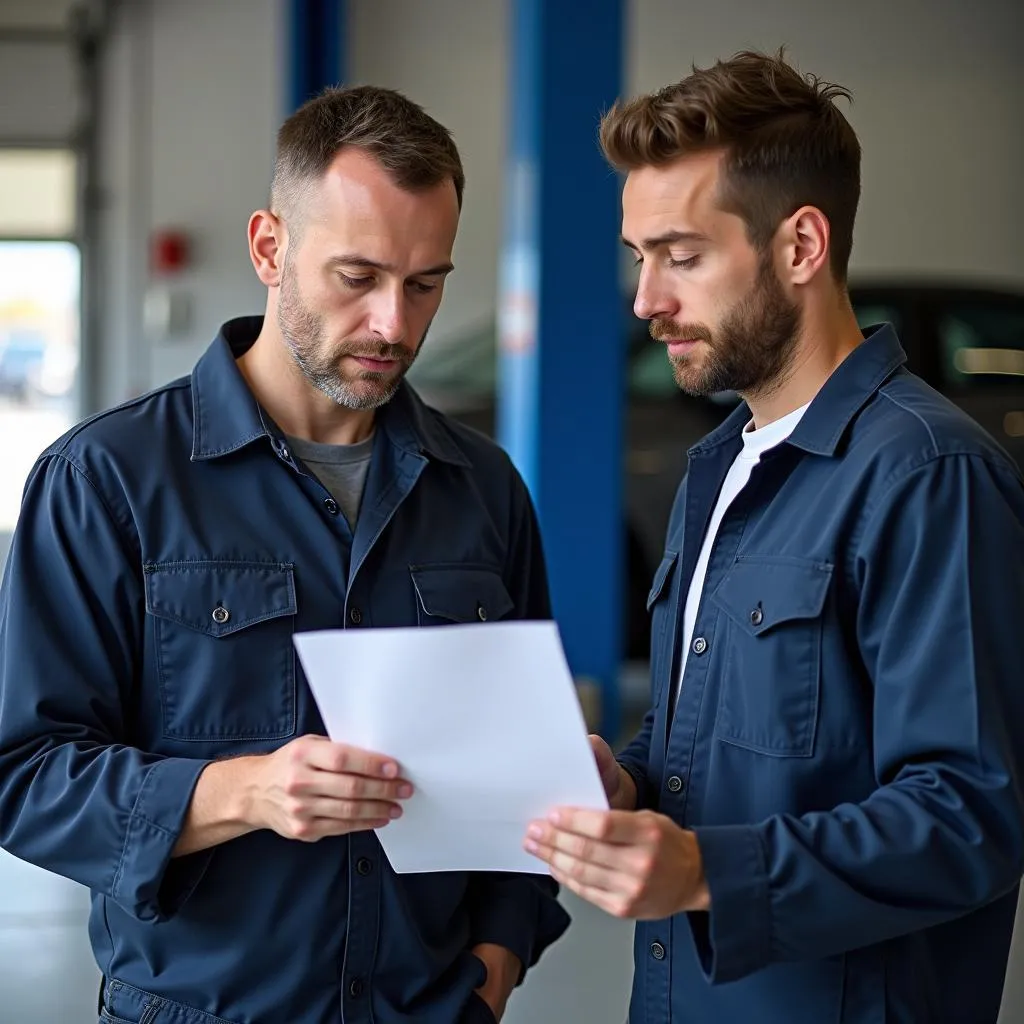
[653, 299]
[388, 315]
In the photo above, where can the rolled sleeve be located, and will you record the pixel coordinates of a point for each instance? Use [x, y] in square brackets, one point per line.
[733, 939]
[147, 883]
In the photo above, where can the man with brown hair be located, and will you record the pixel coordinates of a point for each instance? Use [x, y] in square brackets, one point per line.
[821, 818]
[158, 742]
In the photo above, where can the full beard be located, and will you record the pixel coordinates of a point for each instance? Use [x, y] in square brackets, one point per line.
[751, 350]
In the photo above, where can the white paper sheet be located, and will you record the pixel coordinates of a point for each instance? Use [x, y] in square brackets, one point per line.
[484, 721]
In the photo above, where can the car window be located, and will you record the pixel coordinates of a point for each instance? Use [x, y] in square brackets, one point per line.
[982, 343]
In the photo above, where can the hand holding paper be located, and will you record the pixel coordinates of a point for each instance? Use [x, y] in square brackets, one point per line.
[484, 722]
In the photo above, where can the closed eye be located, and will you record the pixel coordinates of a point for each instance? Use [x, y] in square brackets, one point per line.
[688, 263]
[422, 287]
[355, 282]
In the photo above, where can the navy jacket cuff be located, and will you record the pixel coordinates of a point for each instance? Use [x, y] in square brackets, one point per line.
[147, 883]
[733, 938]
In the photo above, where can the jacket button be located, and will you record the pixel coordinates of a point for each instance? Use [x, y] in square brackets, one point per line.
[364, 866]
[700, 645]
[675, 784]
[657, 951]
[356, 988]
[355, 616]
[221, 615]
[481, 613]
[331, 505]
[756, 617]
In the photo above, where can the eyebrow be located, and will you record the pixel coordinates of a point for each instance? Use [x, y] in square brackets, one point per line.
[668, 238]
[353, 260]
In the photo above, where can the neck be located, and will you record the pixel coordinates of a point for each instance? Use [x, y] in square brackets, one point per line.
[828, 334]
[296, 405]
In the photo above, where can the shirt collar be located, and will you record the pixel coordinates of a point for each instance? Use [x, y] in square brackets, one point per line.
[227, 417]
[843, 395]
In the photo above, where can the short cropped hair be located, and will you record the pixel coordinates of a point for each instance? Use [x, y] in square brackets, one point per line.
[414, 149]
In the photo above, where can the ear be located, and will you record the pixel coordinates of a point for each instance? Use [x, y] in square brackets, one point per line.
[804, 239]
[267, 240]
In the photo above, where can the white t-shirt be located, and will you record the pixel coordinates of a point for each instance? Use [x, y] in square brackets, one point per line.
[755, 444]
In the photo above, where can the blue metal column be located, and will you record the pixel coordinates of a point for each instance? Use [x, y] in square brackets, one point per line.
[561, 330]
[316, 48]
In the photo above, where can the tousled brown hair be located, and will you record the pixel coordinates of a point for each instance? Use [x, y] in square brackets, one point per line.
[414, 149]
[786, 143]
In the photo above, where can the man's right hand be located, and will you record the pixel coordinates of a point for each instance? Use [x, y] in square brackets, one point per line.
[618, 784]
[306, 790]
[312, 788]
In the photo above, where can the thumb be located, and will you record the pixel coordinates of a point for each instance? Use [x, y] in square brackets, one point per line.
[602, 753]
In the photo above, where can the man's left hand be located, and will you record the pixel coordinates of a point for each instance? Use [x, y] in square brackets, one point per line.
[503, 970]
[635, 864]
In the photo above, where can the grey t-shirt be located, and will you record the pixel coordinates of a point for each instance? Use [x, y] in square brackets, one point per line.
[341, 468]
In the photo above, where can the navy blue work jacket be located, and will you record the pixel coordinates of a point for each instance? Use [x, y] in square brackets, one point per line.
[121, 677]
[848, 740]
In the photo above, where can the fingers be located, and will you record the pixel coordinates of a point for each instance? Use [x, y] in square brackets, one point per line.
[349, 787]
[569, 847]
[625, 827]
[320, 828]
[586, 873]
[320, 752]
[602, 752]
[312, 788]
[345, 810]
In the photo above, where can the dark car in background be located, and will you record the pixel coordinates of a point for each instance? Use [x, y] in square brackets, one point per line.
[966, 341]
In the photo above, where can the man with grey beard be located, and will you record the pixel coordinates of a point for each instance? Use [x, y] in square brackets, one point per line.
[158, 742]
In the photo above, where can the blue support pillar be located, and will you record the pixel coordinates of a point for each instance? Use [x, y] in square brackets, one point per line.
[316, 48]
[561, 330]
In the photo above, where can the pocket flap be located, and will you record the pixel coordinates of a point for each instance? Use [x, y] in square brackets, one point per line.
[219, 598]
[759, 593]
[461, 593]
[662, 577]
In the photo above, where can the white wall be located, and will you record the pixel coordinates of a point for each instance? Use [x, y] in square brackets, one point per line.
[193, 98]
[938, 91]
[449, 56]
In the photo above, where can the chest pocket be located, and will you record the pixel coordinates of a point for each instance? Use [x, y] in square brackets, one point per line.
[223, 640]
[772, 667]
[459, 593]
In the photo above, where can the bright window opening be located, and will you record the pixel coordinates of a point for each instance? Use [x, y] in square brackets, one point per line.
[39, 356]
